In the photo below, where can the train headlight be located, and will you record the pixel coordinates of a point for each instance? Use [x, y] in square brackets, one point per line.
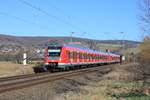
[46, 63]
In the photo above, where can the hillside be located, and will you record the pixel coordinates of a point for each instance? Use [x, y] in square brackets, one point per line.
[26, 41]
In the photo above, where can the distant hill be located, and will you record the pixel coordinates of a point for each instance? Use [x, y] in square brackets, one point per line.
[43, 41]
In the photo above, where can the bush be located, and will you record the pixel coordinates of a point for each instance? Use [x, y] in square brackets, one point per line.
[145, 51]
[144, 55]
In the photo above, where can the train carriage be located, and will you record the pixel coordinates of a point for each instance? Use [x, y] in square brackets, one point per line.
[66, 55]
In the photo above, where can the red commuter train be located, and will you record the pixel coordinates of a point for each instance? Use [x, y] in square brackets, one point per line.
[67, 55]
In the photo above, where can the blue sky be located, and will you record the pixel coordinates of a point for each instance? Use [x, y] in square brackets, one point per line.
[100, 19]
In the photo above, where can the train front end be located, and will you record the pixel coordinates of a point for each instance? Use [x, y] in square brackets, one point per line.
[52, 56]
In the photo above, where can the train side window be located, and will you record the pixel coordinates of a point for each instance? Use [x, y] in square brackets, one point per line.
[106, 57]
[92, 56]
[74, 55]
[89, 56]
[98, 57]
[82, 56]
[101, 57]
[70, 55]
[85, 56]
[77, 55]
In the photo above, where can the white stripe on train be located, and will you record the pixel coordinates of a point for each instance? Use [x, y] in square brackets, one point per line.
[62, 65]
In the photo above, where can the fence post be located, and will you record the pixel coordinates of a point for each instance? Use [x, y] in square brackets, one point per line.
[24, 59]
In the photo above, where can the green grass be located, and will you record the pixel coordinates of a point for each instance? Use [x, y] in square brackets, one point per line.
[112, 90]
[138, 98]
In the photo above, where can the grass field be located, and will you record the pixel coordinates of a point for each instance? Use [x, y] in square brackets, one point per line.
[11, 69]
[111, 90]
[119, 84]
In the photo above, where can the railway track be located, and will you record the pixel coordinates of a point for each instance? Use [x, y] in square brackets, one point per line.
[24, 81]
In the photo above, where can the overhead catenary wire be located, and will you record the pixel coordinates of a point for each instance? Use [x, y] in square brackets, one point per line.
[16, 17]
[50, 15]
[59, 10]
[22, 20]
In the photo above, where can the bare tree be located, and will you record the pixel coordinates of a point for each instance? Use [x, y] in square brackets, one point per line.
[144, 47]
[145, 15]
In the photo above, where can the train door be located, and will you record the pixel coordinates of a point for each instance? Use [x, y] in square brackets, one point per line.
[67, 57]
[71, 56]
[85, 57]
[78, 57]
[75, 57]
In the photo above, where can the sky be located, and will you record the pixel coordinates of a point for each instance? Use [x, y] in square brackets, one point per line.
[93, 19]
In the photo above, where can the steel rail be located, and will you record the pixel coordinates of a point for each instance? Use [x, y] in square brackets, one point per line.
[48, 78]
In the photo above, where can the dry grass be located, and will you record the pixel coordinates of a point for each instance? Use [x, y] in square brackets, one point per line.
[110, 90]
[96, 86]
[123, 83]
[11, 69]
[127, 72]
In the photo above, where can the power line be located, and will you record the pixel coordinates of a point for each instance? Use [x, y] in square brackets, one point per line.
[22, 19]
[16, 17]
[50, 15]
[59, 10]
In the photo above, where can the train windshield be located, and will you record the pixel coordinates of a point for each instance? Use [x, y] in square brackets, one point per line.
[54, 51]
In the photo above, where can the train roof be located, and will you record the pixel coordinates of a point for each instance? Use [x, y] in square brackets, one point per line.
[91, 50]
